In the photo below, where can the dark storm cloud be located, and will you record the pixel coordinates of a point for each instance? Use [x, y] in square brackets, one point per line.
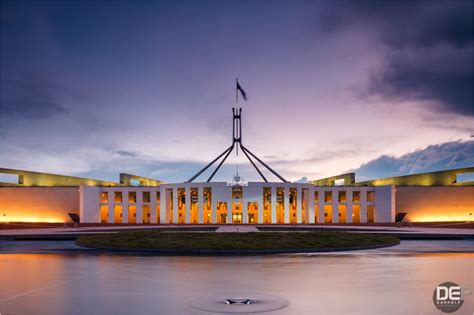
[30, 85]
[455, 154]
[430, 48]
[29, 97]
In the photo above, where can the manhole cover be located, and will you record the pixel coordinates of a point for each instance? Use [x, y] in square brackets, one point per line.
[238, 302]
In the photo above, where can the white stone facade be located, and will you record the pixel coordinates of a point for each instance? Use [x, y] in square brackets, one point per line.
[219, 203]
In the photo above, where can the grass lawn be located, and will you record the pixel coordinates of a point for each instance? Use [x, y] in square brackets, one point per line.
[265, 242]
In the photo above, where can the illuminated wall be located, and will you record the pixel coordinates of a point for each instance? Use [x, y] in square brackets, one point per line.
[127, 180]
[28, 178]
[440, 178]
[436, 204]
[38, 204]
[333, 205]
[346, 179]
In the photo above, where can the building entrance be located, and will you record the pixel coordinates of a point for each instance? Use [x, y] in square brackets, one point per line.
[237, 205]
[236, 218]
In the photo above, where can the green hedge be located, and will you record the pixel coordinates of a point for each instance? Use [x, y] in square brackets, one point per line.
[225, 242]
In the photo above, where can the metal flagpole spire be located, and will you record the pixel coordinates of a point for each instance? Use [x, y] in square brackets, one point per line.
[237, 103]
[236, 91]
[236, 142]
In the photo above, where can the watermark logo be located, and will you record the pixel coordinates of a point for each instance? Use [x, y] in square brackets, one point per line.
[448, 297]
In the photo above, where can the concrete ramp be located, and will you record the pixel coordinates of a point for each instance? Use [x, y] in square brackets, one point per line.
[236, 228]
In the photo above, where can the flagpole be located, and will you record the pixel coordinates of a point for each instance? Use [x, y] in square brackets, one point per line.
[237, 102]
[236, 91]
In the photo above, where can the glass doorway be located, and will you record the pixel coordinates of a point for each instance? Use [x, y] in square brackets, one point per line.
[236, 217]
[237, 205]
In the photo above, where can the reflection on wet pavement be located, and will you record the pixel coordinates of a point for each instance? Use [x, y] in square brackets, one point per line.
[395, 280]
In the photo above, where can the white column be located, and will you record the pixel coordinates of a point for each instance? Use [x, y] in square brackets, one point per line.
[125, 207]
[349, 206]
[305, 205]
[89, 204]
[111, 206]
[187, 199]
[363, 206]
[164, 200]
[229, 200]
[214, 196]
[260, 195]
[227, 195]
[245, 205]
[153, 207]
[299, 202]
[286, 203]
[320, 206]
[274, 204]
[200, 205]
[310, 209]
[139, 207]
[335, 204]
[175, 205]
[384, 204]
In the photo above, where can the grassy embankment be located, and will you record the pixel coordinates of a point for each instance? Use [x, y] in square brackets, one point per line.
[264, 242]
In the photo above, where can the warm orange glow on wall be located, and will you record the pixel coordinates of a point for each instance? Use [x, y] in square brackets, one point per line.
[34, 204]
[436, 204]
[27, 219]
[450, 218]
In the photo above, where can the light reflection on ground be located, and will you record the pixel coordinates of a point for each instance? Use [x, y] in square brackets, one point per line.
[393, 280]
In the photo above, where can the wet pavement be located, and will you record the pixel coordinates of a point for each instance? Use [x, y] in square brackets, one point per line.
[415, 230]
[52, 277]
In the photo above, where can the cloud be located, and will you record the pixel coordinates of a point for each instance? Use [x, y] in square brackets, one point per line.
[168, 171]
[428, 48]
[32, 80]
[449, 155]
[324, 156]
[123, 153]
[29, 97]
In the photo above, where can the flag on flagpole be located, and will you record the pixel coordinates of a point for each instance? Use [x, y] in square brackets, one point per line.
[242, 92]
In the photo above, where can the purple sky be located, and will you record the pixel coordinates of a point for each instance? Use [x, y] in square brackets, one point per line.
[96, 88]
